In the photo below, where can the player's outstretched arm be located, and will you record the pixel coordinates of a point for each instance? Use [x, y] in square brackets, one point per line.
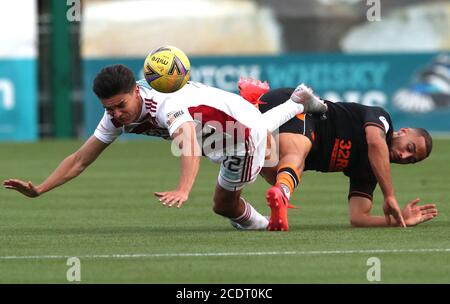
[378, 153]
[413, 214]
[185, 138]
[69, 168]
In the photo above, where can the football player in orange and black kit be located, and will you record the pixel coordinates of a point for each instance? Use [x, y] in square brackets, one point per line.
[359, 141]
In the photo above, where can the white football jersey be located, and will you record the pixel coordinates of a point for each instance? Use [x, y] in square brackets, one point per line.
[224, 114]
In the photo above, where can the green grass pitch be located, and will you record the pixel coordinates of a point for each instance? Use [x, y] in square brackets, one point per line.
[109, 219]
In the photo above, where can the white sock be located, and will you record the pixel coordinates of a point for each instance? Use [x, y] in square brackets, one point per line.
[251, 219]
[282, 113]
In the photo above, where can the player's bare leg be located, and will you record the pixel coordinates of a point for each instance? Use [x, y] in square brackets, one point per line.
[242, 215]
[293, 151]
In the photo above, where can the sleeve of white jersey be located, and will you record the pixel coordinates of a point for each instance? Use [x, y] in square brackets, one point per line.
[171, 116]
[106, 131]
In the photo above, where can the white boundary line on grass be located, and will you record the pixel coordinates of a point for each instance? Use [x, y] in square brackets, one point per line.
[219, 254]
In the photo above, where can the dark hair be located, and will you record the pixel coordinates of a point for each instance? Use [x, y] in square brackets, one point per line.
[428, 140]
[113, 80]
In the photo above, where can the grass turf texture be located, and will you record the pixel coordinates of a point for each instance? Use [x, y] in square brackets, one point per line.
[110, 210]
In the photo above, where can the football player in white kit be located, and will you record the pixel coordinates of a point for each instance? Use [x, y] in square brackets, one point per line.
[200, 120]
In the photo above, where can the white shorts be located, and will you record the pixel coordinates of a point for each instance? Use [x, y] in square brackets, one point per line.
[238, 170]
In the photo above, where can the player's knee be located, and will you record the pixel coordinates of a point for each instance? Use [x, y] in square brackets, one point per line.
[355, 222]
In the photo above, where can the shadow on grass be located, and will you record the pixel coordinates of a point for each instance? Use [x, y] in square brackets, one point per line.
[113, 230]
[116, 230]
[319, 227]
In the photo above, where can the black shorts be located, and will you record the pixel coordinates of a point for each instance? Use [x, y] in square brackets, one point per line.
[300, 124]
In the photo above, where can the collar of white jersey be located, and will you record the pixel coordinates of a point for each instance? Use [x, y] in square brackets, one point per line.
[145, 90]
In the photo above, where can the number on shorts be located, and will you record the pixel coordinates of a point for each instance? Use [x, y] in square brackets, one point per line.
[233, 163]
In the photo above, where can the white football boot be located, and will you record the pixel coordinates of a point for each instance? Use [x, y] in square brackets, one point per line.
[261, 225]
[311, 103]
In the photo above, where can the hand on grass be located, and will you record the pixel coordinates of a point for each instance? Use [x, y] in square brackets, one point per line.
[26, 188]
[415, 215]
[175, 197]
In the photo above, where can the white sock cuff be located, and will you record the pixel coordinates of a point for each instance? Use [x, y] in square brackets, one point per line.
[246, 215]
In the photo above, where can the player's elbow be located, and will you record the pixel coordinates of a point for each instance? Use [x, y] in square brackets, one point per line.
[357, 221]
[355, 224]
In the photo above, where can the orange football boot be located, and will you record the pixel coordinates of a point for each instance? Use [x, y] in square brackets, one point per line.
[279, 204]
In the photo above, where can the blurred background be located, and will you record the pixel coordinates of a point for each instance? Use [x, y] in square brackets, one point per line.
[393, 54]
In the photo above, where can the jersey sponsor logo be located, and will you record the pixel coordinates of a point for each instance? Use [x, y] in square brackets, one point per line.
[340, 156]
[385, 123]
[172, 116]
